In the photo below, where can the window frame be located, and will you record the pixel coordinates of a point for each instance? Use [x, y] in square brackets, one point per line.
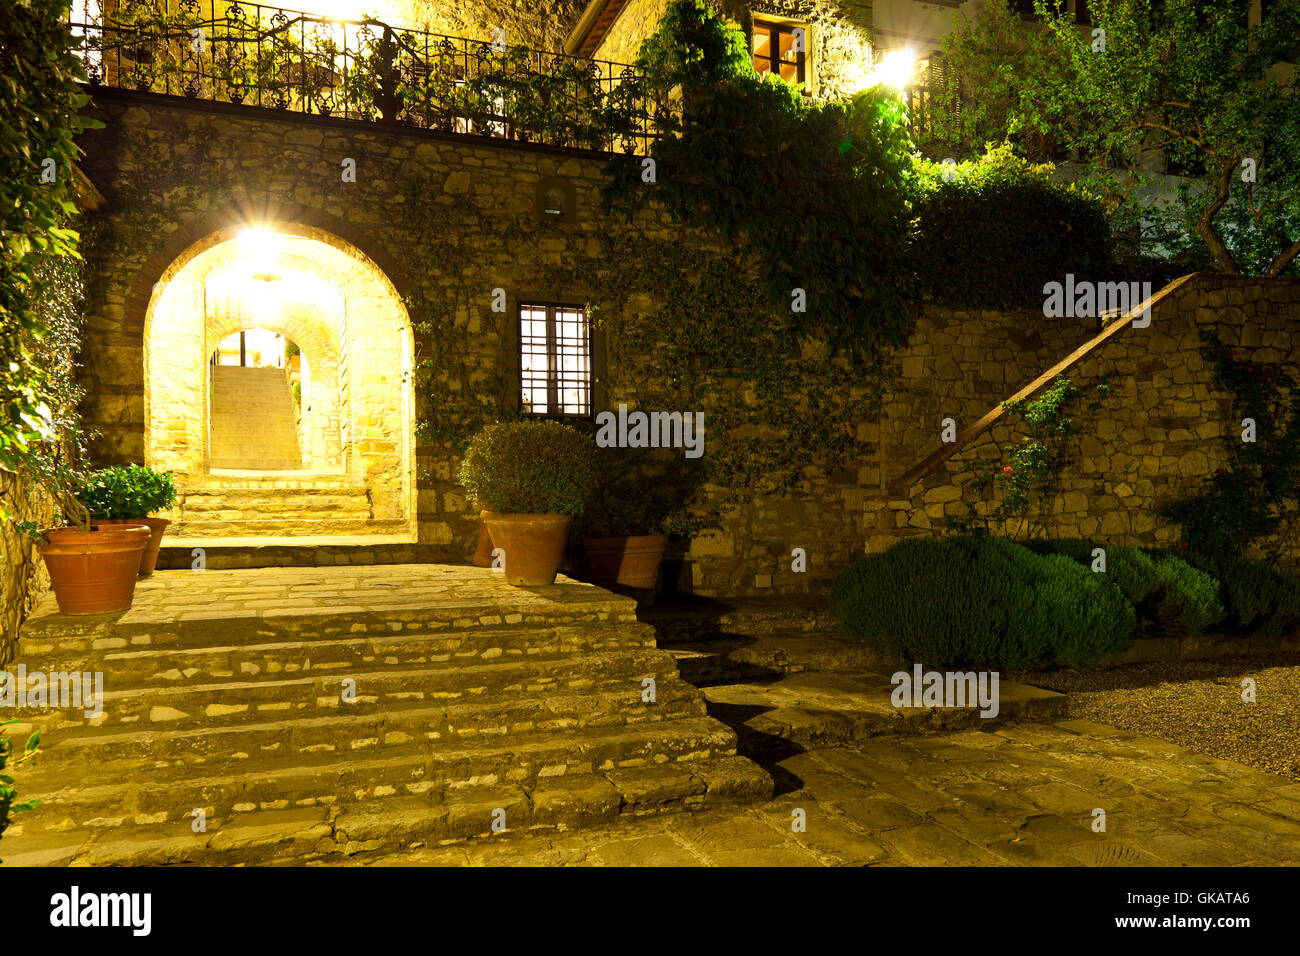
[553, 381]
[775, 28]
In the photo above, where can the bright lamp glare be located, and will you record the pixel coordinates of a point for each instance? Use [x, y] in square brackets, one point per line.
[894, 69]
[258, 244]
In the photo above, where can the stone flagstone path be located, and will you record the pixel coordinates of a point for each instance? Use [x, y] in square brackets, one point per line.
[1019, 795]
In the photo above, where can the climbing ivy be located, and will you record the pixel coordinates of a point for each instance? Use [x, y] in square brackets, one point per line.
[40, 102]
[1029, 471]
[689, 329]
[1257, 493]
[815, 194]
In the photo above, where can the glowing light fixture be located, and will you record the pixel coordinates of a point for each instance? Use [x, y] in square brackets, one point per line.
[894, 69]
[258, 245]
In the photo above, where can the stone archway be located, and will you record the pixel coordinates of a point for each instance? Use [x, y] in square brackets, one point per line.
[320, 292]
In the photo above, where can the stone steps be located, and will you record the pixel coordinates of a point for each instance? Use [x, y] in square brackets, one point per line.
[231, 505]
[223, 691]
[253, 507]
[229, 553]
[352, 728]
[305, 525]
[216, 701]
[810, 711]
[254, 419]
[324, 832]
[452, 648]
[139, 793]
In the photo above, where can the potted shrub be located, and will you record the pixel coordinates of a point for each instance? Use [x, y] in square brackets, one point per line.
[128, 495]
[532, 478]
[483, 551]
[93, 568]
[638, 504]
[623, 537]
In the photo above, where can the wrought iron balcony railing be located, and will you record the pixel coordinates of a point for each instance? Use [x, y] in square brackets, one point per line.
[246, 53]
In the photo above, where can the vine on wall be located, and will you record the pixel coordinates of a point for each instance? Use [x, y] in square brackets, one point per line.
[1258, 493]
[1025, 476]
[690, 330]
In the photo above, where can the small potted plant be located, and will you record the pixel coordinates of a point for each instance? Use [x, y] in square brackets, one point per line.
[128, 495]
[532, 478]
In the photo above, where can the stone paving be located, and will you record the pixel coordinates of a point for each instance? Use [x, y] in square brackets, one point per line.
[870, 785]
[1018, 795]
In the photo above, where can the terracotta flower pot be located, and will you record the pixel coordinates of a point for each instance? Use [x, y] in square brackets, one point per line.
[156, 525]
[483, 556]
[94, 572]
[632, 561]
[533, 545]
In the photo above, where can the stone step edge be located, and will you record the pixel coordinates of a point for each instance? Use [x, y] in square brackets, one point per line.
[546, 749]
[72, 737]
[608, 637]
[604, 666]
[550, 804]
[344, 616]
[814, 728]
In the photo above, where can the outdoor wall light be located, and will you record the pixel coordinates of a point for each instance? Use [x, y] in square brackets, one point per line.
[894, 69]
[258, 244]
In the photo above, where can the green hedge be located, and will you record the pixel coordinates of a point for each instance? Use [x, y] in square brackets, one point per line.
[1257, 597]
[989, 234]
[1149, 578]
[980, 601]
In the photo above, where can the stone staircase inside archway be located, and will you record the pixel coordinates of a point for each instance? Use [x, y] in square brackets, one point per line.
[317, 714]
[289, 505]
[254, 419]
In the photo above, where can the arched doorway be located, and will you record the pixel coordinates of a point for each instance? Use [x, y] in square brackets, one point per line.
[279, 357]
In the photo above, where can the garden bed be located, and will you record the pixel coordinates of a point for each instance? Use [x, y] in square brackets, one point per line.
[1194, 703]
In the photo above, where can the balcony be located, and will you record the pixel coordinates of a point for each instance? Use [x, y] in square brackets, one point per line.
[363, 70]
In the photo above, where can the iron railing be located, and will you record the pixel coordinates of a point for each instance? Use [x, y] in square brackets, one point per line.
[246, 53]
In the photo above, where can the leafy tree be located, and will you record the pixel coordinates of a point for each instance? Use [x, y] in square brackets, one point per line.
[990, 231]
[1187, 80]
[39, 104]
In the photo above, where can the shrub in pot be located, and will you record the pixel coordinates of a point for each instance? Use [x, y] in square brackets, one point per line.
[128, 495]
[626, 528]
[93, 568]
[532, 478]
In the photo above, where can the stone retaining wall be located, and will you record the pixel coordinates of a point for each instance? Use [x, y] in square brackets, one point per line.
[1155, 437]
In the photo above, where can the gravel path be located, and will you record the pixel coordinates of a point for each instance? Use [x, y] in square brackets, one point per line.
[1197, 704]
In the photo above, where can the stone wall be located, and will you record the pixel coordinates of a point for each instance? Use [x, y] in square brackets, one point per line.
[23, 578]
[175, 173]
[542, 25]
[636, 21]
[1158, 434]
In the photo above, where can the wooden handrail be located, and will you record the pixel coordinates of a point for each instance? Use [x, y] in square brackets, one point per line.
[898, 487]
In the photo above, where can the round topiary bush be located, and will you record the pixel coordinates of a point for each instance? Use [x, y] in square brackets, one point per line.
[980, 601]
[529, 467]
